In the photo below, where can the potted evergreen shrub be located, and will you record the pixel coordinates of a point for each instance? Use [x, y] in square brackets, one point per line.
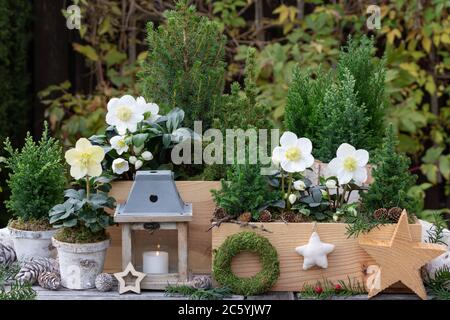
[37, 181]
[82, 239]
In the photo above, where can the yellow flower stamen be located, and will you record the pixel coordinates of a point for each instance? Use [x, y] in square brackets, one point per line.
[293, 154]
[124, 113]
[85, 158]
[350, 164]
[121, 143]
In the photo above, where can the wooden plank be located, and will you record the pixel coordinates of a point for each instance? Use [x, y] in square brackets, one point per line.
[127, 246]
[347, 260]
[182, 250]
[131, 219]
[199, 241]
[273, 296]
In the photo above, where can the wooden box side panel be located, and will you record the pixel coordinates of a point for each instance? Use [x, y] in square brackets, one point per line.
[348, 260]
[199, 241]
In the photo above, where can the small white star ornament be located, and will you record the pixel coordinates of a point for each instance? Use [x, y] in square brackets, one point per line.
[315, 252]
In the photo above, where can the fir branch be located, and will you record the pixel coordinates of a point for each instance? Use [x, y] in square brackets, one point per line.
[436, 232]
[198, 294]
[14, 290]
[330, 289]
[438, 286]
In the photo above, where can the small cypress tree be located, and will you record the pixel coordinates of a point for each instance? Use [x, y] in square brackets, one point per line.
[369, 74]
[309, 109]
[185, 66]
[305, 96]
[343, 119]
[241, 108]
[245, 190]
[392, 178]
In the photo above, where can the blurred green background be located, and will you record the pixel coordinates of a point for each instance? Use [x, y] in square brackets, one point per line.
[48, 71]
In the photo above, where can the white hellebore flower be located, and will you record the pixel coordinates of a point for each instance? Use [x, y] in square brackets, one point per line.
[132, 159]
[124, 113]
[120, 166]
[299, 185]
[294, 154]
[145, 107]
[147, 155]
[138, 164]
[85, 159]
[292, 198]
[331, 184]
[118, 143]
[335, 217]
[349, 164]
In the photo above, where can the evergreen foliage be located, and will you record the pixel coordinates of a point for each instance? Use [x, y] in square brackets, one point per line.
[185, 66]
[37, 177]
[245, 191]
[240, 108]
[392, 178]
[342, 105]
[198, 294]
[343, 120]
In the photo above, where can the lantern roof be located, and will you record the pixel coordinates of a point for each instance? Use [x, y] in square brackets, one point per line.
[154, 197]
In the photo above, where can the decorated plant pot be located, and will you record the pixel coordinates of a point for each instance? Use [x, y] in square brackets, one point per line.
[32, 244]
[80, 264]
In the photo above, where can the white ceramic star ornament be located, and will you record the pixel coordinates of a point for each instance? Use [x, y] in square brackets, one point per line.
[315, 252]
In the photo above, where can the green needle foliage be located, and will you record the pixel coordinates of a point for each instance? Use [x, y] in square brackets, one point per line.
[392, 179]
[198, 294]
[343, 119]
[14, 290]
[37, 177]
[326, 289]
[185, 66]
[245, 190]
[342, 105]
[439, 285]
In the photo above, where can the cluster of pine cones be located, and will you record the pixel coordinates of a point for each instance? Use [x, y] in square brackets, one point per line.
[392, 214]
[264, 216]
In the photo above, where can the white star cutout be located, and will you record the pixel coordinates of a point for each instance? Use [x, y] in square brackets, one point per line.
[315, 252]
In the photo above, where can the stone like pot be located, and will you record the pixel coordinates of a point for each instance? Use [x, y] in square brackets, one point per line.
[32, 244]
[80, 263]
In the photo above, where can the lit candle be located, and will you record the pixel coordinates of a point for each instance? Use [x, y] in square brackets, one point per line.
[156, 262]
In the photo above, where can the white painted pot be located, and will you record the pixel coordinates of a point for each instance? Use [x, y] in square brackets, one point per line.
[80, 264]
[32, 244]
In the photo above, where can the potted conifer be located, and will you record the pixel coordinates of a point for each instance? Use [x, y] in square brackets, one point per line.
[36, 181]
[82, 239]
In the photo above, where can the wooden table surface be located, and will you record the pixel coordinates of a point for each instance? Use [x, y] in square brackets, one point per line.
[93, 294]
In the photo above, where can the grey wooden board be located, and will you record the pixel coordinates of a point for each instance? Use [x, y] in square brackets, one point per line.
[93, 294]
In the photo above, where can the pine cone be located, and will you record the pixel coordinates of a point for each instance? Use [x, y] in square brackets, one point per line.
[31, 269]
[219, 213]
[201, 282]
[105, 282]
[245, 217]
[380, 214]
[49, 280]
[7, 255]
[289, 216]
[265, 216]
[395, 213]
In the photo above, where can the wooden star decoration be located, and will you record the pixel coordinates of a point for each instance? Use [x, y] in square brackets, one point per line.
[400, 259]
[120, 276]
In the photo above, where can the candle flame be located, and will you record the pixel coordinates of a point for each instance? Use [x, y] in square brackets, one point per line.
[157, 249]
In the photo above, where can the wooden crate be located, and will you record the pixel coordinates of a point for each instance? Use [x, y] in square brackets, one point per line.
[347, 260]
[199, 241]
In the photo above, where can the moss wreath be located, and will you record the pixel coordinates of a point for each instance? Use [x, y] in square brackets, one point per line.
[251, 242]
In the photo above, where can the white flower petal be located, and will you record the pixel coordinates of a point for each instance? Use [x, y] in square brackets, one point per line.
[362, 156]
[344, 150]
[344, 177]
[78, 172]
[83, 144]
[292, 166]
[127, 100]
[112, 104]
[288, 139]
[360, 175]
[141, 100]
[277, 155]
[308, 160]
[333, 167]
[305, 145]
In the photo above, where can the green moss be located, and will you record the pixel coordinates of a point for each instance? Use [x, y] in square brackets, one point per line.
[30, 225]
[80, 235]
[250, 242]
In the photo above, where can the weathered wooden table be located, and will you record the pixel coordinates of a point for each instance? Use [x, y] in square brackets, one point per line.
[65, 294]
